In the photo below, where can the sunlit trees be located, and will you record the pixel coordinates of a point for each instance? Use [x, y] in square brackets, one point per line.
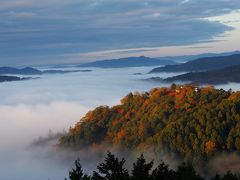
[179, 119]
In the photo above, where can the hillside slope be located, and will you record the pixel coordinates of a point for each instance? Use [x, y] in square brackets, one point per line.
[221, 76]
[202, 64]
[185, 120]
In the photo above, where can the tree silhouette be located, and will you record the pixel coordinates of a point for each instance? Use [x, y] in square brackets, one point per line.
[187, 172]
[141, 169]
[111, 169]
[162, 172]
[77, 173]
[230, 176]
[216, 177]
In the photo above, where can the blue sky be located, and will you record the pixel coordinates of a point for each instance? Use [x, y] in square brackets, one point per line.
[66, 31]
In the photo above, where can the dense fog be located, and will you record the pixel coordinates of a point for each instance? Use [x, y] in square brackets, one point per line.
[30, 109]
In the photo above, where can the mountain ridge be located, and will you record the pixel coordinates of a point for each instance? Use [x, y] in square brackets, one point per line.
[127, 62]
[214, 77]
[34, 71]
[201, 64]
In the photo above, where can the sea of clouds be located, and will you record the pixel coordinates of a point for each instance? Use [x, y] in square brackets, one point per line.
[30, 109]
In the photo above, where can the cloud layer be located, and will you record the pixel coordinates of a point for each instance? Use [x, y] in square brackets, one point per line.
[34, 31]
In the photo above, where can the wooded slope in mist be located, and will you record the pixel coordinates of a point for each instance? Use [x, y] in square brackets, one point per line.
[186, 120]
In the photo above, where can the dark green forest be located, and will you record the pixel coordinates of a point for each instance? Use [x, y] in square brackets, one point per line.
[113, 168]
[193, 123]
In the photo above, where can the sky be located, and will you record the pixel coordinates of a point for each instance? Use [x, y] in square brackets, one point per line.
[34, 32]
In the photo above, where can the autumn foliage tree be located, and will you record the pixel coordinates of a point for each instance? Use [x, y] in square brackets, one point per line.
[191, 122]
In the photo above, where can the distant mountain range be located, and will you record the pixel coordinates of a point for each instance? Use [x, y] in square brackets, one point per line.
[127, 62]
[23, 71]
[202, 64]
[11, 78]
[186, 58]
[33, 71]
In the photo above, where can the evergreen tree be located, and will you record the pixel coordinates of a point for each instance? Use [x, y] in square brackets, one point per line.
[216, 177]
[77, 173]
[162, 172]
[141, 169]
[187, 172]
[230, 176]
[111, 169]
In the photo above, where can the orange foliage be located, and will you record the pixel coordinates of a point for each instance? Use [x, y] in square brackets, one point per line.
[128, 115]
[234, 96]
[114, 122]
[171, 94]
[146, 103]
[177, 107]
[141, 128]
[119, 111]
[207, 89]
[121, 134]
[209, 146]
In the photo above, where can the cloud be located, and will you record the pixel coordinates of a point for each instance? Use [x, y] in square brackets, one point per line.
[33, 31]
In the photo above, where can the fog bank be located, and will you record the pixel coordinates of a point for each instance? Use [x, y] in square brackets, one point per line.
[29, 109]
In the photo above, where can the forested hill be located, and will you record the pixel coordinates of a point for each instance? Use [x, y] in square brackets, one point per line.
[202, 64]
[189, 121]
[221, 76]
